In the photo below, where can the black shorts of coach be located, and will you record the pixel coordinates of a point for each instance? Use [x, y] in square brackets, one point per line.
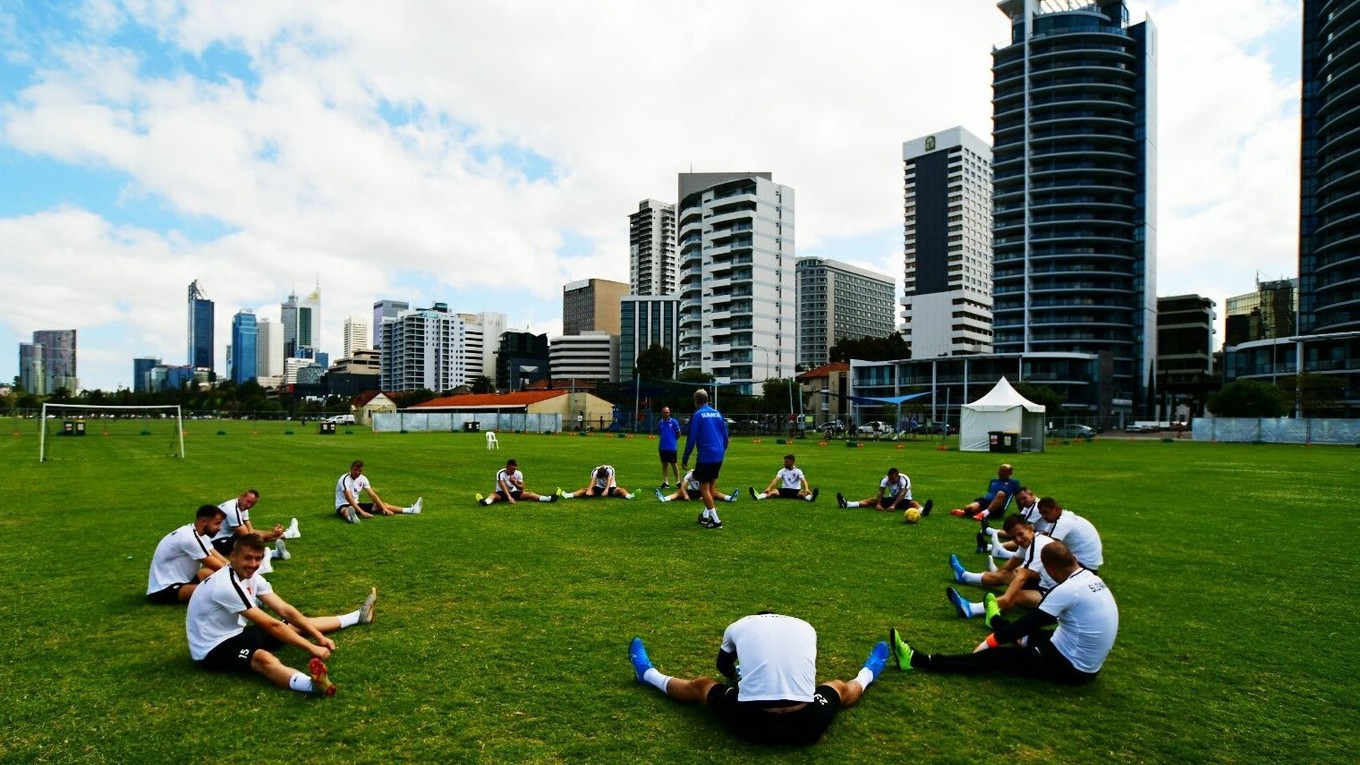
[707, 471]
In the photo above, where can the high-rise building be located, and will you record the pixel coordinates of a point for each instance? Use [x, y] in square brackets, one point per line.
[200, 328]
[1269, 312]
[244, 345]
[356, 337]
[58, 359]
[838, 301]
[302, 325]
[947, 240]
[584, 356]
[645, 321]
[31, 376]
[1329, 222]
[384, 310]
[269, 353]
[1074, 187]
[521, 359]
[651, 249]
[1185, 339]
[141, 373]
[429, 348]
[483, 342]
[591, 305]
[735, 234]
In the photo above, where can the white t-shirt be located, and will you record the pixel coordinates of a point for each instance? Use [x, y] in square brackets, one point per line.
[1088, 619]
[1033, 562]
[778, 657]
[355, 485]
[1031, 514]
[901, 489]
[236, 516]
[217, 609]
[1080, 537]
[691, 485]
[599, 482]
[792, 478]
[177, 558]
[512, 478]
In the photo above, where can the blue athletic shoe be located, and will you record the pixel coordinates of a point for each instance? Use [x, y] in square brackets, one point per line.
[959, 603]
[638, 655]
[958, 568]
[878, 658]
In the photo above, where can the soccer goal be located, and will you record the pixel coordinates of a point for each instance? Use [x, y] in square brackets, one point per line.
[76, 431]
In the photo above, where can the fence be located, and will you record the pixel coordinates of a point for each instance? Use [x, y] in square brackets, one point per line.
[445, 422]
[1282, 430]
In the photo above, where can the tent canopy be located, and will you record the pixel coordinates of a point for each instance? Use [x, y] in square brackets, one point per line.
[1004, 410]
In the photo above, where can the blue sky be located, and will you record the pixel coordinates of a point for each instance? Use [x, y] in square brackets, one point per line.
[474, 154]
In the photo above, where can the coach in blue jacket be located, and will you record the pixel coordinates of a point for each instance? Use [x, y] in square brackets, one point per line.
[669, 431]
[707, 433]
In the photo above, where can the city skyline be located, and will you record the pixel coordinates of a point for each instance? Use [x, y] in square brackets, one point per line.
[320, 155]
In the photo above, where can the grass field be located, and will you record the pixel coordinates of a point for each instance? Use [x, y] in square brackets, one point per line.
[502, 632]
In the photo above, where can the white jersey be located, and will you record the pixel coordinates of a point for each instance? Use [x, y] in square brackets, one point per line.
[1080, 537]
[899, 489]
[217, 609]
[690, 484]
[355, 485]
[778, 657]
[602, 483]
[1031, 514]
[1088, 619]
[512, 478]
[792, 478]
[236, 516]
[1033, 562]
[178, 558]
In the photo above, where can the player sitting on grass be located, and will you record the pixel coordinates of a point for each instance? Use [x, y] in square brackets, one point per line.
[688, 490]
[993, 503]
[777, 700]
[350, 509]
[1079, 603]
[237, 524]
[788, 483]
[1023, 576]
[601, 485]
[1075, 531]
[894, 493]
[510, 488]
[185, 557]
[996, 542]
[229, 632]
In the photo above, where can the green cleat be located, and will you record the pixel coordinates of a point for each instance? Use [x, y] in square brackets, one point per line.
[479, 498]
[901, 652]
[992, 609]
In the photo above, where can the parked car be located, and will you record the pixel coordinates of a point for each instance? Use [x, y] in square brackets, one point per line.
[342, 419]
[1140, 427]
[1073, 430]
[874, 428]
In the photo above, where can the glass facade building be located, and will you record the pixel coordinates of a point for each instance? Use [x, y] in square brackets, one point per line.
[200, 328]
[244, 336]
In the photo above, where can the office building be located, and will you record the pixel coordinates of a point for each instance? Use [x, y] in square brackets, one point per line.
[301, 325]
[484, 339]
[269, 353]
[1074, 187]
[141, 373]
[591, 305]
[201, 328]
[584, 356]
[429, 348]
[521, 360]
[1185, 353]
[651, 249]
[244, 347]
[738, 297]
[947, 242]
[1271, 311]
[58, 351]
[355, 337]
[645, 321]
[31, 375]
[838, 301]
[384, 310]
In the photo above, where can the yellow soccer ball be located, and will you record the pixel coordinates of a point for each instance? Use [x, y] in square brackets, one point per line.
[912, 515]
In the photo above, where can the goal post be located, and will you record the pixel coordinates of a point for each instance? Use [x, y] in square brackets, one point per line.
[60, 421]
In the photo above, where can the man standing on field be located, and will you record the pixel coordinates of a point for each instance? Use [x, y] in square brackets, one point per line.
[669, 432]
[707, 433]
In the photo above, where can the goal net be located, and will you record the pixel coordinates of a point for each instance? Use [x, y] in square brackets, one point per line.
[82, 431]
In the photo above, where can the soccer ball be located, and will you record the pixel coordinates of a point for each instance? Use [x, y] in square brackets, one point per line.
[912, 515]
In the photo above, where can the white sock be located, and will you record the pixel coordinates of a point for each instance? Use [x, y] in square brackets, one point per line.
[487, 501]
[545, 499]
[629, 496]
[991, 563]
[865, 677]
[654, 678]
[808, 498]
[991, 532]
[970, 578]
[976, 609]
[568, 495]
[760, 495]
[852, 504]
[348, 620]
[1001, 552]
[665, 498]
[300, 683]
[714, 515]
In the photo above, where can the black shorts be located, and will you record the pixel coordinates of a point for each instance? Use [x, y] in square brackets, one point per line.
[234, 653]
[503, 495]
[367, 507]
[224, 545]
[170, 595]
[667, 457]
[759, 725]
[788, 493]
[596, 491]
[707, 471]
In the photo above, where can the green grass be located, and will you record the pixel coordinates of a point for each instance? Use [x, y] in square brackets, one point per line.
[502, 632]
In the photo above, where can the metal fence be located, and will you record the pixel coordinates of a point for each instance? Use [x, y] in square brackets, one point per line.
[1281, 430]
[446, 422]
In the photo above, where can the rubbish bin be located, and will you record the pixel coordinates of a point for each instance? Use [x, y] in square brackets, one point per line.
[1003, 442]
[327, 428]
[472, 426]
[80, 427]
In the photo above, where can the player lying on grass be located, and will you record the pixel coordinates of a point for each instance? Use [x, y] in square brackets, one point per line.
[1024, 577]
[688, 491]
[229, 632]
[777, 700]
[351, 485]
[1080, 604]
[894, 493]
[788, 483]
[510, 488]
[185, 557]
[602, 484]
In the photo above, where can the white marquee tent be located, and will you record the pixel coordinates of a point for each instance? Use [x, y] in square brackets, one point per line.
[1002, 409]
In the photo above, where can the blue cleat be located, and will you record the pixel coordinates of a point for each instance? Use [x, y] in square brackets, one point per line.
[958, 567]
[638, 655]
[959, 603]
[878, 657]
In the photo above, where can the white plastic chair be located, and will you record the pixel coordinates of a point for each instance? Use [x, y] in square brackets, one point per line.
[491, 442]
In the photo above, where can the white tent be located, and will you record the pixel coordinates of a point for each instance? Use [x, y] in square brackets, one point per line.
[1004, 410]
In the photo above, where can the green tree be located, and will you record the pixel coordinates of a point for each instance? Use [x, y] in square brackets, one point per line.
[776, 395]
[693, 375]
[885, 348]
[1249, 398]
[655, 363]
[483, 384]
[1042, 394]
[1317, 395]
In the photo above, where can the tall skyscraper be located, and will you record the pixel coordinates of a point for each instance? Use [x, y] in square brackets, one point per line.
[383, 310]
[591, 305]
[651, 249]
[1075, 196]
[1329, 222]
[31, 376]
[644, 321]
[302, 325]
[200, 328]
[356, 337]
[837, 301]
[737, 293]
[269, 354]
[141, 373]
[947, 285]
[429, 348]
[58, 359]
[244, 342]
